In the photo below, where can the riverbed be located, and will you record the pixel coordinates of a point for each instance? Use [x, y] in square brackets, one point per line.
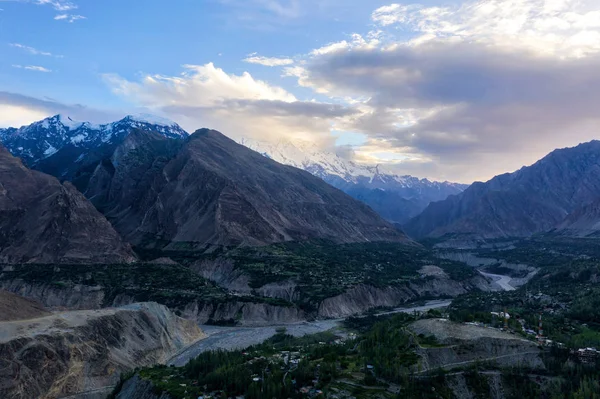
[231, 338]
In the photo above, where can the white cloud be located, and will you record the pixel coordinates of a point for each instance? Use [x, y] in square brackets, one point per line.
[12, 115]
[237, 105]
[33, 51]
[268, 61]
[559, 27]
[331, 48]
[32, 68]
[59, 5]
[198, 85]
[69, 17]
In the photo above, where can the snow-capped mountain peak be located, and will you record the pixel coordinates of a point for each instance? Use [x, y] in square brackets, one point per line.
[44, 138]
[328, 165]
[396, 197]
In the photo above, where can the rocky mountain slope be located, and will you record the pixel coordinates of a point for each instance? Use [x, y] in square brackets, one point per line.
[533, 199]
[396, 198]
[44, 221]
[583, 222]
[85, 352]
[15, 307]
[465, 345]
[208, 190]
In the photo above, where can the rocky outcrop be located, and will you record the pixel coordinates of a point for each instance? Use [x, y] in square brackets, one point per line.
[138, 388]
[84, 297]
[15, 307]
[464, 345]
[43, 221]
[532, 200]
[243, 313]
[76, 297]
[223, 272]
[212, 191]
[520, 273]
[364, 297]
[85, 352]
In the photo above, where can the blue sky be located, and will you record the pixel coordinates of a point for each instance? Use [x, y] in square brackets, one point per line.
[448, 90]
[157, 36]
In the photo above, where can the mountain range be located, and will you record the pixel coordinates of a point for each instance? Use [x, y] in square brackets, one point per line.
[160, 187]
[561, 190]
[395, 197]
[70, 150]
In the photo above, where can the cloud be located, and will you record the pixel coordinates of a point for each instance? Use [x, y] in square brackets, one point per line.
[468, 92]
[17, 110]
[33, 68]
[237, 105]
[69, 17]
[268, 61]
[279, 8]
[565, 27]
[33, 51]
[59, 5]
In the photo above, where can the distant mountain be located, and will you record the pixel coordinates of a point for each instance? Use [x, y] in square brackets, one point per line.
[66, 149]
[396, 198]
[43, 221]
[583, 222]
[208, 190]
[534, 199]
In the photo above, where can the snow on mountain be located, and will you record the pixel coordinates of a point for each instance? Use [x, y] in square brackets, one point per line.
[330, 166]
[42, 139]
[395, 197]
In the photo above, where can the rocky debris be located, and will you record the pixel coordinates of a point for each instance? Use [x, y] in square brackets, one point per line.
[84, 297]
[244, 313]
[138, 388]
[44, 221]
[364, 297]
[212, 191]
[164, 261]
[86, 351]
[466, 344]
[15, 307]
[52, 296]
[519, 273]
[433, 271]
[532, 200]
[583, 222]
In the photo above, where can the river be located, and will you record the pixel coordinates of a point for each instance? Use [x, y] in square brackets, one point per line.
[230, 338]
[501, 280]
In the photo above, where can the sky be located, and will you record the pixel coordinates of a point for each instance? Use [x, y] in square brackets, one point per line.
[459, 90]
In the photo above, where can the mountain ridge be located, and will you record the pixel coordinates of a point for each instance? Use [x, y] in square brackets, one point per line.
[209, 190]
[44, 221]
[533, 199]
[395, 197]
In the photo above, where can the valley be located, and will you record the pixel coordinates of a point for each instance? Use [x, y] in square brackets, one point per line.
[214, 264]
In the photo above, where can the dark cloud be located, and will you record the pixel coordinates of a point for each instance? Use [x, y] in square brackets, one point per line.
[46, 107]
[480, 109]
